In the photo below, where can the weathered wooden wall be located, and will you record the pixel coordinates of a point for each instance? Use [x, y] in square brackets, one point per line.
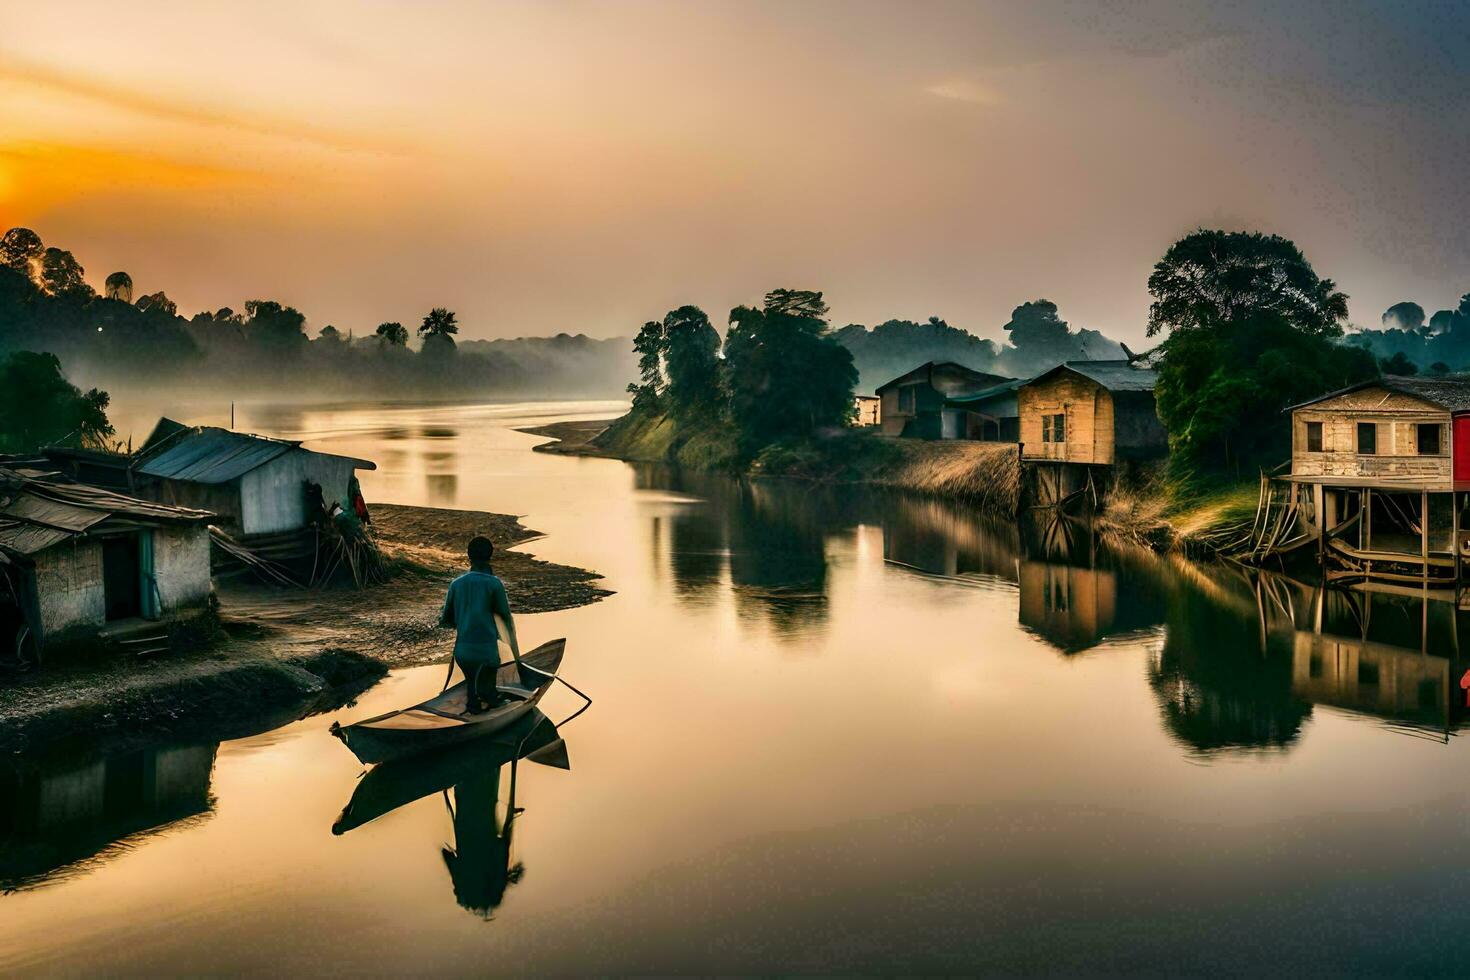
[1089, 412]
[1397, 416]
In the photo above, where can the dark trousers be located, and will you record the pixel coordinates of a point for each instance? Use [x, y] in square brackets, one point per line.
[480, 683]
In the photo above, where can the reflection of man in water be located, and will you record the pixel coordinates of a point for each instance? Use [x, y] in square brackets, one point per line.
[479, 863]
[475, 604]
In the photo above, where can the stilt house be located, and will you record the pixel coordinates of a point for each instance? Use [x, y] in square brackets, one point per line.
[914, 404]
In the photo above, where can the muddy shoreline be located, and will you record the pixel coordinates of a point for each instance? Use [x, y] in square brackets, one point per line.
[277, 654]
[571, 438]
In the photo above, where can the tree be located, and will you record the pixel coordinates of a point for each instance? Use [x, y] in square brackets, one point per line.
[330, 336]
[1215, 278]
[119, 286]
[787, 375]
[1398, 364]
[392, 335]
[649, 346]
[274, 327]
[691, 350]
[62, 274]
[1221, 392]
[158, 301]
[20, 250]
[39, 407]
[439, 323]
[1403, 316]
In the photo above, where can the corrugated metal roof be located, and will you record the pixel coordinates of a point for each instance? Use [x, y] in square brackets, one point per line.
[211, 455]
[207, 454]
[1450, 392]
[36, 513]
[1117, 375]
[987, 394]
[28, 539]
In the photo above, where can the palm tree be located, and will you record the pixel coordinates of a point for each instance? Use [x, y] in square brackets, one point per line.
[439, 323]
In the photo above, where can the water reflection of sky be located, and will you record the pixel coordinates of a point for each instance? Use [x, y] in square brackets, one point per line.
[844, 731]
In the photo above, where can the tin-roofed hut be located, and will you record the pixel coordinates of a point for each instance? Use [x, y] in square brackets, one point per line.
[75, 559]
[255, 484]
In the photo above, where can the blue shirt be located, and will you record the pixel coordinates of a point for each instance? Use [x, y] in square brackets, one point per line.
[473, 602]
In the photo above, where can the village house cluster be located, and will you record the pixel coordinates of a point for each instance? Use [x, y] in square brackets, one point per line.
[120, 547]
[1378, 482]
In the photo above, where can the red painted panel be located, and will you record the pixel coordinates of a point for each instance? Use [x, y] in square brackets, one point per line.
[1461, 444]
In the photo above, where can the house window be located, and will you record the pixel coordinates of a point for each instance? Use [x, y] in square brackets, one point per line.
[1367, 438]
[1314, 437]
[1054, 428]
[1429, 438]
[906, 398]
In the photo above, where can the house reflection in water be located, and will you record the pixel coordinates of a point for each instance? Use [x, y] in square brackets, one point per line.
[1370, 653]
[56, 821]
[941, 538]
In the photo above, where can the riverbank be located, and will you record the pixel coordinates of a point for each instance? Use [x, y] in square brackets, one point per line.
[279, 654]
[1143, 509]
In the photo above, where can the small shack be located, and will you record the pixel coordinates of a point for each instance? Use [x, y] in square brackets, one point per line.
[1091, 412]
[75, 559]
[257, 485]
[913, 404]
[991, 415]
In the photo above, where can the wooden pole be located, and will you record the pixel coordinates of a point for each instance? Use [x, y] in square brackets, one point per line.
[1424, 536]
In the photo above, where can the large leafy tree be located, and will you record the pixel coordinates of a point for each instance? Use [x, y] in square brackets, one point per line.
[787, 375]
[1252, 331]
[39, 407]
[649, 346]
[20, 249]
[62, 274]
[1211, 279]
[392, 335]
[691, 348]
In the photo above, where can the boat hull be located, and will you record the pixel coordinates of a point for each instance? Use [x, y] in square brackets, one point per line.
[441, 722]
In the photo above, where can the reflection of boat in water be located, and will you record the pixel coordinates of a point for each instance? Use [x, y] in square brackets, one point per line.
[397, 783]
[469, 778]
[61, 820]
[441, 720]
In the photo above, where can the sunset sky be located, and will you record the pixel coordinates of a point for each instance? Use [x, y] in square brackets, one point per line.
[574, 166]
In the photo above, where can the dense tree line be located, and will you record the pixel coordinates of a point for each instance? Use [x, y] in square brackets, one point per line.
[1414, 342]
[46, 304]
[1038, 338]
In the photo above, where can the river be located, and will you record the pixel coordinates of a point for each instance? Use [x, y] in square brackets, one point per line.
[833, 731]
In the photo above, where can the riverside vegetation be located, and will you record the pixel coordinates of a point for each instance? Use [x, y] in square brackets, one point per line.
[1248, 329]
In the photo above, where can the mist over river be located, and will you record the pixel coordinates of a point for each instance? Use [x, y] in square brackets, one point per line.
[834, 730]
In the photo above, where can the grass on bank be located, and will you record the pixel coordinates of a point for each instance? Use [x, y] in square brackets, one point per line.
[1153, 508]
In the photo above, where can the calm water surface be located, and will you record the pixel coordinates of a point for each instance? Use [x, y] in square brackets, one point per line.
[833, 731]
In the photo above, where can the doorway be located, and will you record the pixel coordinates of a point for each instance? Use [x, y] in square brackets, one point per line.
[122, 582]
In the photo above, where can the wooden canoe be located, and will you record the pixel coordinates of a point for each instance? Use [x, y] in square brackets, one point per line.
[441, 720]
[399, 782]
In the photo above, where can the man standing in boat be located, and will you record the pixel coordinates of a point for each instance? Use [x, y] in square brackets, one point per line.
[479, 612]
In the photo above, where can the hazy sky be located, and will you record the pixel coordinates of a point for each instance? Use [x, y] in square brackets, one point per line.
[586, 166]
